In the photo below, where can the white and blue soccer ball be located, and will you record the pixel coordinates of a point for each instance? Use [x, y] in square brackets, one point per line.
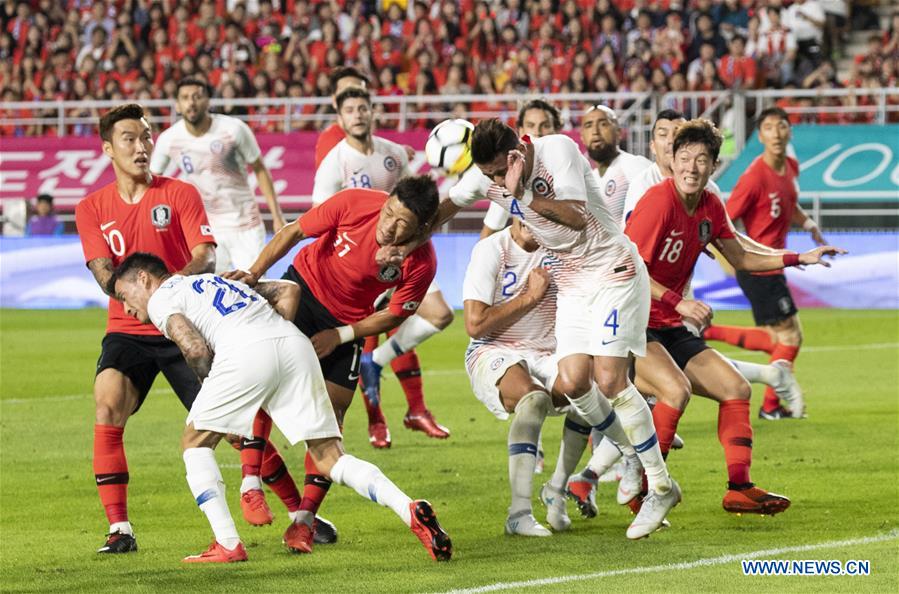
[449, 146]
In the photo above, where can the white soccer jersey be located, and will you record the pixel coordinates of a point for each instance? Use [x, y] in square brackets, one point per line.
[600, 253]
[646, 179]
[497, 272]
[216, 163]
[228, 313]
[345, 167]
[614, 183]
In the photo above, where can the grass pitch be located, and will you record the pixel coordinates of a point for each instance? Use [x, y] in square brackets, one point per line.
[839, 466]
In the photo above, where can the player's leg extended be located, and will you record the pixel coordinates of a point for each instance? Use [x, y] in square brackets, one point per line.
[575, 433]
[530, 404]
[378, 432]
[115, 398]
[368, 480]
[205, 481]
[657, 374]
[713, 376]
[745, 337]
[789, 339]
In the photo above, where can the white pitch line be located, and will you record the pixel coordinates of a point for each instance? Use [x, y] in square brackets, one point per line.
[686, 565]
[62, 398]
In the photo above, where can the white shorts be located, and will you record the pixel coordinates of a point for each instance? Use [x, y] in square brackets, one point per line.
[238, 249]
[610, 323]
[487, 364]
[279, 375]
[433, 288]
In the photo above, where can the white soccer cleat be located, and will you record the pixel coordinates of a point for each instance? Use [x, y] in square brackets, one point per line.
[788, 389]
[524, 523]
[677, 443]
[652, 514]
[612, 475]
[556, 511]
[631, 482]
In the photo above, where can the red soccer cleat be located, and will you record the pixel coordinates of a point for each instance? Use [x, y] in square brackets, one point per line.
[216, 553]
[255, 509]
[428, 530]
[425, 423]
[298, 538]
[754, 501]
[379, 435]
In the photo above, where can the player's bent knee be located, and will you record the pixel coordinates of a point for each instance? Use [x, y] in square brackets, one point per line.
[325, 453]
[571, 387]
[675, 394]
[739, 390]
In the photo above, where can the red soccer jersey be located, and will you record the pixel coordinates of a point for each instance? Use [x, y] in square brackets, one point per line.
[340, 266]
[765, 201]
[670, 240]
[328, 139]
[169, 221]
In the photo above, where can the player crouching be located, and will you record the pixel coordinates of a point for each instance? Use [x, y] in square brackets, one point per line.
[250, 358]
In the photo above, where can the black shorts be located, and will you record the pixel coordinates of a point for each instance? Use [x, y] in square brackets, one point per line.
[141, 358]
[769, 296]
[342, 366]
[680, 343]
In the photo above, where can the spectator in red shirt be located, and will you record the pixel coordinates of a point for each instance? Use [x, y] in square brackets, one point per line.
[737, 70]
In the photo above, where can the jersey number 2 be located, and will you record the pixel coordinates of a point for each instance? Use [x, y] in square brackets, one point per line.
[239, 299]
[509, 280]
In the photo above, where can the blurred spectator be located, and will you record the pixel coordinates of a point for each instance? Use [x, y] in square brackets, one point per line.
[776, 51]
[805, 18]
[44, 221]
[736, 69]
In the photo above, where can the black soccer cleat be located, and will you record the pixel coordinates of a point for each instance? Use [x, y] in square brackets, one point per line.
[775, 415]
[119, 542]
[323, 531]
[428, 530]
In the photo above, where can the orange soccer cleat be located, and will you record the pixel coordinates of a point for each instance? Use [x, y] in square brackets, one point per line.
[425, 423]
[428, 530]
[216, 553]
[754, 501]
[298, 538]
[255, 510]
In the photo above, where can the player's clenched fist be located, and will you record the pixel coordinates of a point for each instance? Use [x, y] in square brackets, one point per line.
[325, 342]
[538, 283]
[695, 310]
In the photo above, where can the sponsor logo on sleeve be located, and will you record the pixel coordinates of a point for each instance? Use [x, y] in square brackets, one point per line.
[206, 230]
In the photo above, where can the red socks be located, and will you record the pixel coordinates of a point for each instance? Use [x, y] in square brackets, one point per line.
[408, 371]
[780, 352]
[665, 419]
[315, 487]
[735, 434]
[251, 450]
[111, 471]
[275, 474]
[754, 339]
[375, 415]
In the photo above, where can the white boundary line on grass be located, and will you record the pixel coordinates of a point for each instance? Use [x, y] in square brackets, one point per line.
[686, 565]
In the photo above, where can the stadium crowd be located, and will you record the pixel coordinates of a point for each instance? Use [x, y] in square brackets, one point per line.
[138, 49]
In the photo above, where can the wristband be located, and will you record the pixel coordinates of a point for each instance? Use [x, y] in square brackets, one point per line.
[809, 224]
[346, 334]
[791, 260]
[671, 298]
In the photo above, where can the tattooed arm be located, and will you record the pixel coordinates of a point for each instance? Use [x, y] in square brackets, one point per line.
[102, 271]
[283, 296]
[192, 344]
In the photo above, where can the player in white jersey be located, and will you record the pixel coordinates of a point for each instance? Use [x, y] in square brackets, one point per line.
[249, 358]
[364, 160]
[603, 302]
[615, 168]
[213, 151]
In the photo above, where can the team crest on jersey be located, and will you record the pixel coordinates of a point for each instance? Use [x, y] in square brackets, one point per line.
[161, 216]
[705, 231]
[389, 274]
[540, 186]
[390, 163]
[548, 262]
[610, 187]
[496, 363]
[216, 146]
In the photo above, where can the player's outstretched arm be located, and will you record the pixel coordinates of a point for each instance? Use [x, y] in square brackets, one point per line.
[379, 322]
[801, 218]
[202, 260]
[692, 309]
[283, 295]
[101, 268]
[749, 261]
[281, 243]
[482, 319]
[193, 346]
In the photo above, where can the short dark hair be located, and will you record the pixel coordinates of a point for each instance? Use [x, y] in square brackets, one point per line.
[193, 82]
[769, 112]
[419, 194]
[490, 138]
[545, 106]
[352, 93]
[699, 131]
[150, 263]
[129, 111]
[345, 72]
[45, 198]
[667, 114]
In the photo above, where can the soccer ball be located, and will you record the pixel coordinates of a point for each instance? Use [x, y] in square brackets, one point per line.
[449, 146]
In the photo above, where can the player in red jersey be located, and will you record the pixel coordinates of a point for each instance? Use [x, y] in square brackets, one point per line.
[765, 199]
[136, 213]
[672, 225]
[340, 280]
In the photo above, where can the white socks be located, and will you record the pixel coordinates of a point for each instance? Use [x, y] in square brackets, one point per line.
[597, 410]
[574, 442]
[605, 455]
[208, 488]
[411, 333]
[123, 527]
[755, 373]
[636, 419]
[250, 483]
[524, 433]
[367, 479]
